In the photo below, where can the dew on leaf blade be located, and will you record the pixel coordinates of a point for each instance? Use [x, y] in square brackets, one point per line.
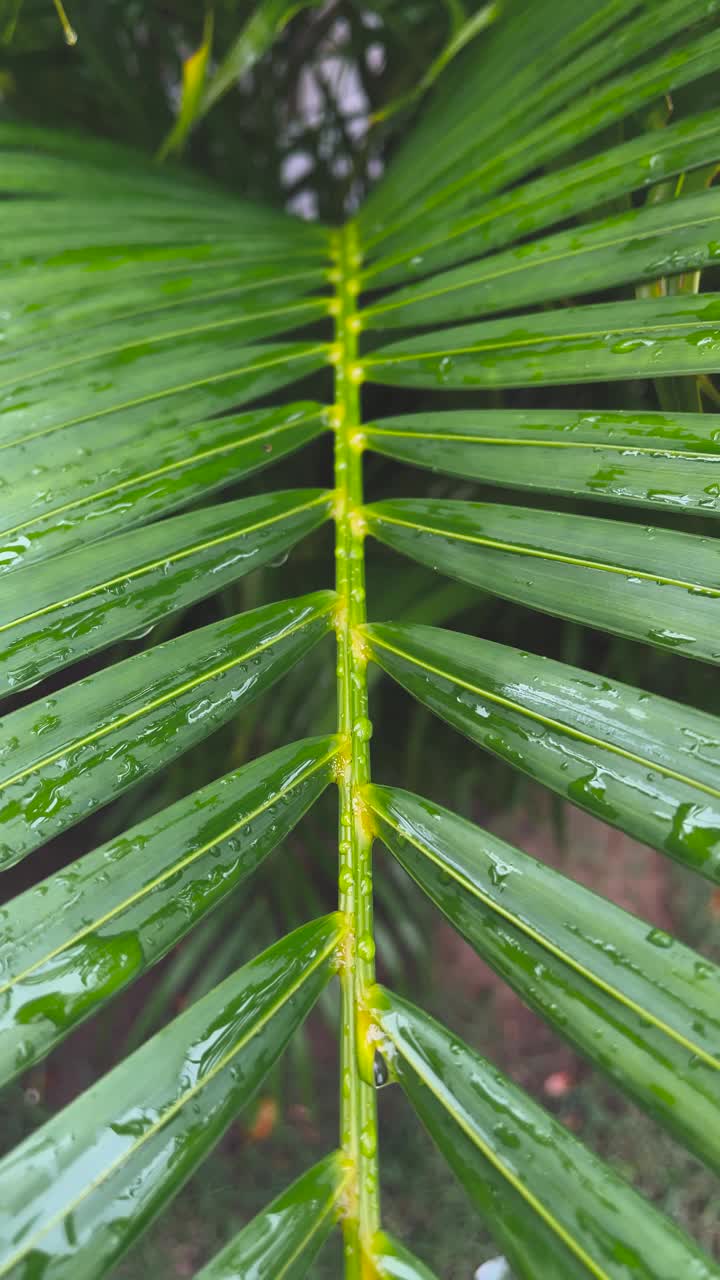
[381, 1074]
[659, 938]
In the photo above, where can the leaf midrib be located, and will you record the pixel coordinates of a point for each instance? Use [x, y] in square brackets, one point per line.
[639, 330]
[331, 1204]
[238, 532]
[531, 266]
[445, 1099]
[539, 554]
[296, 781]
[547, 721]
[510, 206]
[628, 447]
[258, 1026]
[523, 927]
[178, 464]
[176, 692]
[228, 290]
[320, 304]
[287, 356]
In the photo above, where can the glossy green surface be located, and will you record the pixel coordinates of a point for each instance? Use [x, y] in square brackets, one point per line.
[33, 310]
[394, 1262]
[80, 172]
[127, 343]
[117, 479]
[648, 459]
[81, 602]
[639, 1004]
[158, 375]
[636, 245]
[282, 1241]
[648, 338]
[651, 584]
[76, 939]
[479, 151]
[138, 305]
[525, 64]
[77, 1192]
[556, 1211]
[638, 761]
[71, 752]
[447, 238]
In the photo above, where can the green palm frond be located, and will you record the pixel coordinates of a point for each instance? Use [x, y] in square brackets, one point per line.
[162, 342]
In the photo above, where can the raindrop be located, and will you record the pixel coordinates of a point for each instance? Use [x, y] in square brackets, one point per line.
[381, 1075]
[658, 938]
[362, 729]
[368, 1141]
[499, 872]
[366, 947]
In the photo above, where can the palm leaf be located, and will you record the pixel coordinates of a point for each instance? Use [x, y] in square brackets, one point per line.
[650, 459]
[135, 1137]
[155, 331]
[283, 1240]
[597, 974]
[642, 763]
[552, 1204]
[121, 908]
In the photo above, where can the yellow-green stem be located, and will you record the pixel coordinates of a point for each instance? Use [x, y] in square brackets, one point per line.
[358, 1112]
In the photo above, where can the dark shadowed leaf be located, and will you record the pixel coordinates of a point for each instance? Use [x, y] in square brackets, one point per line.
[281, 1242]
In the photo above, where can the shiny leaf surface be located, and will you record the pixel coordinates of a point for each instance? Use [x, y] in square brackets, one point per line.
[110, 343]
[643, 763]
[281, 1242]
[76, 939]
[81, 602]
[153, 374]
[637, 1002]
[480, 151]
[119, 482]
[394, 1262]
[143, 309]
[655, 240]
[446, 239]
[648, 338]
[553, 1207]
[34, 310]
[653, 585]
[648, 459]
[527, 60]
[76, 1193]
[55, 769]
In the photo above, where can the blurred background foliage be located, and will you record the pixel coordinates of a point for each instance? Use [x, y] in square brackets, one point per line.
[307, 128]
